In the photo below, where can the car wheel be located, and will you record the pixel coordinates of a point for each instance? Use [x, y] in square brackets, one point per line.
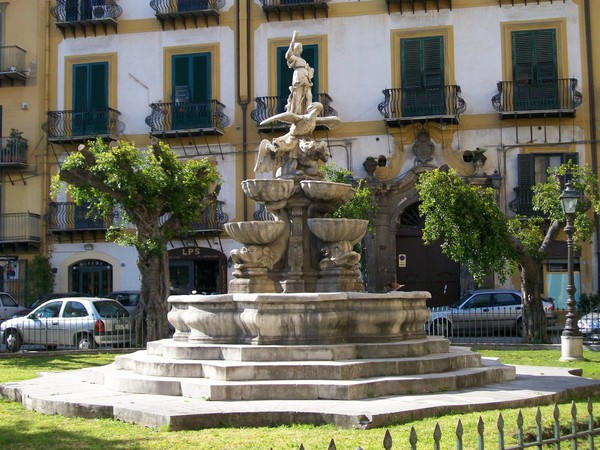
[13, 340]
[441, 328]
[85, 341]
[520, 327]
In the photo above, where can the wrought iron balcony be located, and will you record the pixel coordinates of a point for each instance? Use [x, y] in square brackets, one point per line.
[69, 217]
[186, 118]
[269, 106]
[212, 220]
[546, 98]
[13, 152]
[82, 126]
[182, 10]
[525, 2]
[437, 103]
[20, 229]
[12, 65]
[289, 7]
[76, 15]
[421, 5]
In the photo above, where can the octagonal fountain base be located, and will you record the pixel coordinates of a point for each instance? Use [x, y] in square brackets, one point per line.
[336, 346]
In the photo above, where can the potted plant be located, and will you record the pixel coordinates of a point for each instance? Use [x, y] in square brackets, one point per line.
[16, 146]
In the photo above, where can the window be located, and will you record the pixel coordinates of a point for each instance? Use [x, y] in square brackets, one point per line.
[7, 300]
[49, 310]
[74, 309]
[422, 72]
[535, 72]
[533, 169]
[191, 90]
[310, 53]
[90, 99]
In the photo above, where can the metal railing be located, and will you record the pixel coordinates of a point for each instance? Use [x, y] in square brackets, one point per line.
[171, 117]
[269, 106]
[67, 216]
[20, 227]
[171, 7]
[12, 59]
[82, 125]
[558, 96]
[435, 101]
[76, 330]
[13, 149]
[268, 3]
[85, 10]
[574, 430]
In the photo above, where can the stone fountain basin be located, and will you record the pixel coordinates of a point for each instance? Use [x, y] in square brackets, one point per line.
[327, 191]
[336, 230]
[268, 190]
[255, 232]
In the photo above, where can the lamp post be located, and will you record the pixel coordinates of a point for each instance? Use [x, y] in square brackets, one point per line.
[571, 339]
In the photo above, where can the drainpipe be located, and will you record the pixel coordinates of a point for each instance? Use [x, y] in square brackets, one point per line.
[243, 100]
[593, 134]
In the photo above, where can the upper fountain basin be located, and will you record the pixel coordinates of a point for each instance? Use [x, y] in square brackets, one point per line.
[336, 230]
[268, 190]
[327, 191]
[255, 232]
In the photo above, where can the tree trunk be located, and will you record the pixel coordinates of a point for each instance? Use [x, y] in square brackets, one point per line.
[534, 316]
[153, 296]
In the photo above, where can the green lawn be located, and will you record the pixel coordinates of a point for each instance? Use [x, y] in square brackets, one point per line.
[23, 429]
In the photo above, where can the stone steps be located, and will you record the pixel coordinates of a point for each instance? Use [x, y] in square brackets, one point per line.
[289, 389]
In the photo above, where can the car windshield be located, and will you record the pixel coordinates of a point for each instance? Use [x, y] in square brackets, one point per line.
[110, 309]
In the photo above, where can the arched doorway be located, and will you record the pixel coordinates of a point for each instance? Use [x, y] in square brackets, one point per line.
[91, 276]
[199, 269]
[423, 267]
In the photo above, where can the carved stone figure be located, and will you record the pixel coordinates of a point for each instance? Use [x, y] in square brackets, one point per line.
[296, 153]
[300, 91]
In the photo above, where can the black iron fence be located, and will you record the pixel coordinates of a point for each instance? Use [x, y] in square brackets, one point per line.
[85, 10]
[575, 431]
[20, 227]
[168, 7]
[66, 216]
[67, 330]
[13, 149]
[269, 106]
[533, 95]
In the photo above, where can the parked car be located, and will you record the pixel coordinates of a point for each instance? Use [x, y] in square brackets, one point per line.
[82, 322]
[589, 325]
[44, 298]
[8, 306]
[129, 299]
[484, 311]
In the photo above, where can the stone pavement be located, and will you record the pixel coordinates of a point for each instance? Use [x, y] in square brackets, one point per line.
[66, 393]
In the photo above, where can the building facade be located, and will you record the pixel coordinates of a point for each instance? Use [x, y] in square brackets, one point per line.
[418, 84]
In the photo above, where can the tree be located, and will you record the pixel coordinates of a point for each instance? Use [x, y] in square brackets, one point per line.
[40, 278]
[160, 196]
[476, 233]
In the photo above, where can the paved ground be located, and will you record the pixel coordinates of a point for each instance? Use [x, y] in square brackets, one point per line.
[65, 393]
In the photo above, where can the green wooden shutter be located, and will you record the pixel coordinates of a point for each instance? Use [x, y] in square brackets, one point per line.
[535, 70]
[526, 178]
[90, 99]
[422, 75]
[310, 53]
[191, 88]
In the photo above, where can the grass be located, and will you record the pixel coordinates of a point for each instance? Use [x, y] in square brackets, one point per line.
[23, 429]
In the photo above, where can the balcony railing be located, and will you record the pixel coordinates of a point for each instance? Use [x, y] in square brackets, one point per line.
[12, 64]
[212, 220]
[182, 10]
[81, 126]
[269, 106]
[186, 118]
[294, 8]
[546, 98]
[20, 228]
[13, 152]
[437, 103]
[81, 14]
[67, 216]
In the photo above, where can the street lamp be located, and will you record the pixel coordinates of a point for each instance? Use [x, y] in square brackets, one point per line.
[571, 338]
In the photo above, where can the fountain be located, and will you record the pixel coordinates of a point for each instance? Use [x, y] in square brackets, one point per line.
[296, 323]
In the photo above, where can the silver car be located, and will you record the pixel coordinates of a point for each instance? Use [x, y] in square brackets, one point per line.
[484, 311]
[589, 325]
[75, 321]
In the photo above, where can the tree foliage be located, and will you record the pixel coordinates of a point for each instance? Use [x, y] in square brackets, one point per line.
[476, 233]
[153, 191]
[40, 278]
